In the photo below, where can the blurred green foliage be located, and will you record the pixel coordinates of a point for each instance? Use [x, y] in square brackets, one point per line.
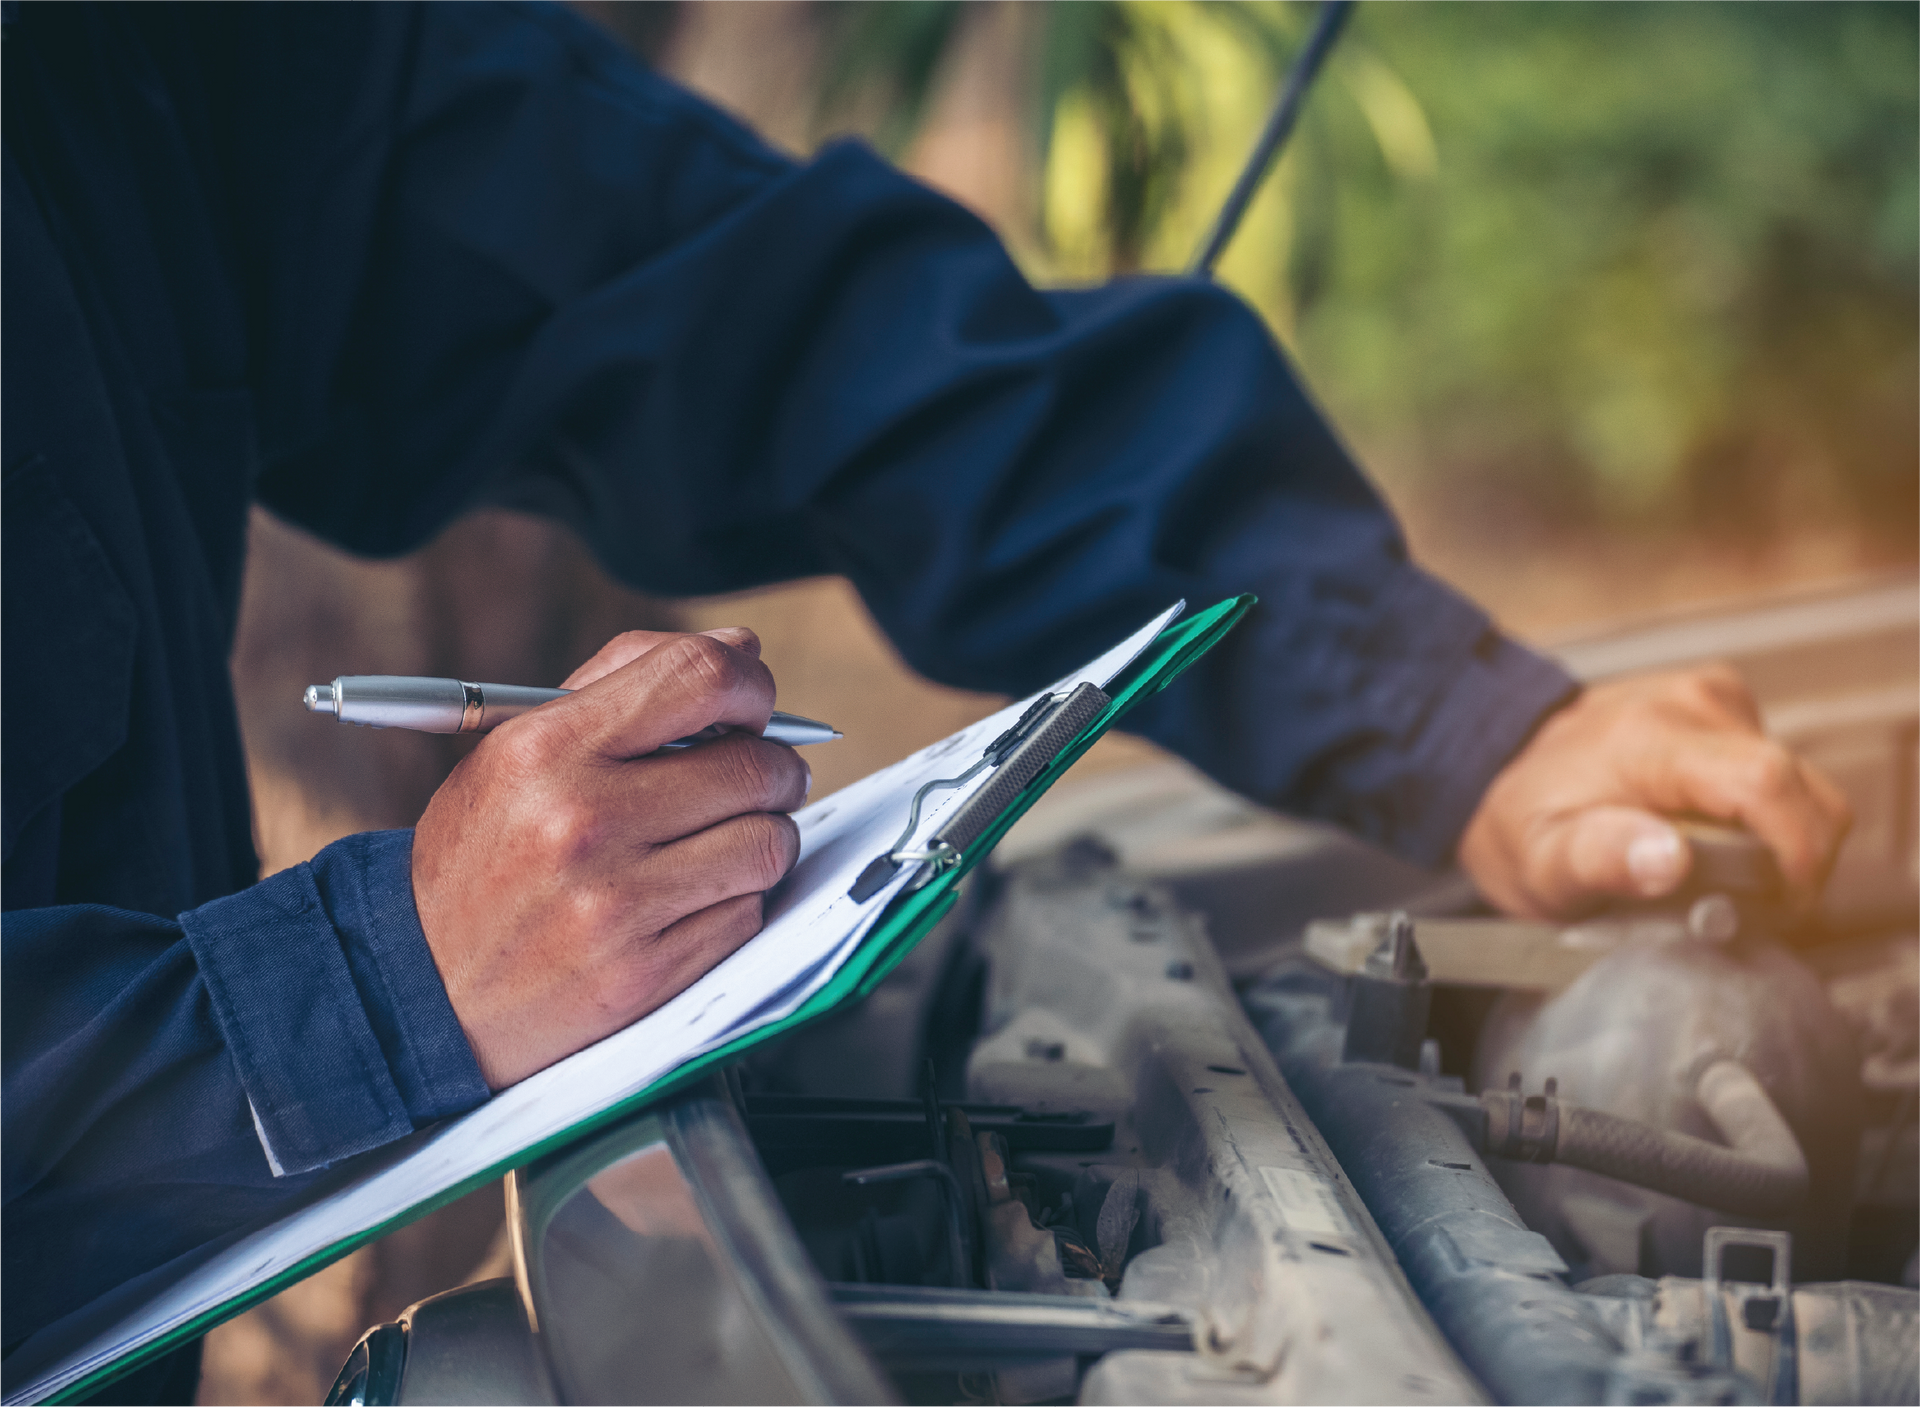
[1646, 262]
[1122, 90]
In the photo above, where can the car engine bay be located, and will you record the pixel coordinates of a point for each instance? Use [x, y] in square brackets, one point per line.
[1190, 1102]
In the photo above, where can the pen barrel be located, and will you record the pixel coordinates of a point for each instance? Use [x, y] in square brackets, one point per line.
[432, 705]
[499, 702]
[400, 701]
[457, 706]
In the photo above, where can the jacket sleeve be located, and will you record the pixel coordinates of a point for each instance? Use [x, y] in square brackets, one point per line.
[194, 1073]
[576, 288]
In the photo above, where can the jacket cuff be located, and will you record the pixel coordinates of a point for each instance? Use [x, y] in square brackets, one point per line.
[1441, 703]
[1360, 690]
[327, 996]
[1500, 693]
[1438, 701]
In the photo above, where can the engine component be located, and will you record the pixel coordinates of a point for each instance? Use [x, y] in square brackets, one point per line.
[1389, 1001]
[1494, 1286]
[1635, 1037]
[1410, 1140]
[958, 1260]
[1846, 1342]
[1102, 994]
[1762, 1173]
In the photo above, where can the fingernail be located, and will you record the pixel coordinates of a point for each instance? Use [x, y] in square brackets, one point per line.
[1657, 859]
[809, 790]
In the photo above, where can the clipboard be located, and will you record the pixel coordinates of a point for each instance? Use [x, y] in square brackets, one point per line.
[76, 1357]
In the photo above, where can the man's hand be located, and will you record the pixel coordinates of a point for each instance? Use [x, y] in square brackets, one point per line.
[569, 879]
[1575, 817]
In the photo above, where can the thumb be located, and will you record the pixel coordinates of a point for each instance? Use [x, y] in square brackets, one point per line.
[628, 646]
[1604, 851]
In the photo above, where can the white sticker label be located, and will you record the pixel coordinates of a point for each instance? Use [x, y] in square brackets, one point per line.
[1306, 1203]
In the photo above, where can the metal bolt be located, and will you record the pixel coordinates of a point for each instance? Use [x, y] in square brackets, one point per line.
[1430, 1056]
[1714, 919]
[1398, 956]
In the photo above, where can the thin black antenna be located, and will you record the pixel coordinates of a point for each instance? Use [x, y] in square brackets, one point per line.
[1326, 29]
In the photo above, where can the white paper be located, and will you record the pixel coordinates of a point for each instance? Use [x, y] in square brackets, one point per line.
[812, 928]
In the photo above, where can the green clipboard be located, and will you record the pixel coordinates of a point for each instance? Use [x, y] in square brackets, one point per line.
[908, 918]
[913, 914]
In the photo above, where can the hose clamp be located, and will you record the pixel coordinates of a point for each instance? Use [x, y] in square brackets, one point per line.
[1523, 1128]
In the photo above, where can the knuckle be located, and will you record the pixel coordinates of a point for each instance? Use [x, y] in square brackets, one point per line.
[769, 843]
[1695, 690]
[567, 830]
[751, 773]
[1642, 713]
[1771, 770]
[704, 663]
[770, 773]
[783, 770]
[1723, 676]
[524, 746]
[1712, 687]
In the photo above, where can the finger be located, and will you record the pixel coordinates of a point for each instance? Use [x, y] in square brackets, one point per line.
[1603, 851]
[1832, 802]
[742, 855]
[677, 688]
[630, 645]
[684, 952]
[1721, 689]
[738, 636]
[1803, 824]
[680, 793]
[624, 648]
[1759, 782]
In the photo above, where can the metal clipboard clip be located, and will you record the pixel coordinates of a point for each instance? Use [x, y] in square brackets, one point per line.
[1018, 756]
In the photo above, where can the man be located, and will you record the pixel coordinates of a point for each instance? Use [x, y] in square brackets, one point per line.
[377, 265]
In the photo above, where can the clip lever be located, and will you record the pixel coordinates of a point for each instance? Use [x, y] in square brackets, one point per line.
[1036, 738]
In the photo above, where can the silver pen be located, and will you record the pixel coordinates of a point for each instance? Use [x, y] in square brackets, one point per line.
[456, 706]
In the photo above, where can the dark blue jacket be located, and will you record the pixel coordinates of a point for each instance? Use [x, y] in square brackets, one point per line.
[374, 265]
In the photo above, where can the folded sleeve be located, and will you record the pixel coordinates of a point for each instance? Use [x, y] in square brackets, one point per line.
[323, 987]
[577, 289]
[155, 1070]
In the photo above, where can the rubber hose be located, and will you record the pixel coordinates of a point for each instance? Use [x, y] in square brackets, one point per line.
[1764, 1176]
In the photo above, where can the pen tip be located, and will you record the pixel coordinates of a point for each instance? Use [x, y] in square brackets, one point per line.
[318, 698]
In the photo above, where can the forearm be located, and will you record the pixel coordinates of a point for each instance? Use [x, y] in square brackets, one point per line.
[727, 369]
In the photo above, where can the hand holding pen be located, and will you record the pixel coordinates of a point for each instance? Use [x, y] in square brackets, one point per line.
[573, 872]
